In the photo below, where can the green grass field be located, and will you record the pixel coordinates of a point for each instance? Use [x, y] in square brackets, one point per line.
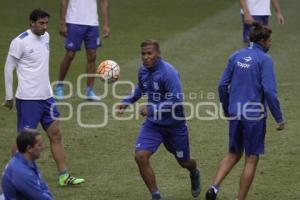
[197, 36]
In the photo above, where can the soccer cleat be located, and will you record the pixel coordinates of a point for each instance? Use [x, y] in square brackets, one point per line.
[211, 194]
[90, 95]
[59, 92]
[195, 183]
[67, 179]
[156, 197]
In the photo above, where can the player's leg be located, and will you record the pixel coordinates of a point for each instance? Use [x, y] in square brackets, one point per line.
[73, 42]
[176, 141]
[225, 166]
[191, 166]
[51, 125]
[147, 143]
[247, 176]
[56, 145]
[254, 137]
[91, 66]
[142, 159]
[65, 64]
[230, 160]
[92, 42]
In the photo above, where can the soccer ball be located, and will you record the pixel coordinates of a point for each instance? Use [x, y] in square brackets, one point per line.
[109, 71]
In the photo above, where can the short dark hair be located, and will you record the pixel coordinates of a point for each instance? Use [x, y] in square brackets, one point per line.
[26, 137]
[259, 32]
[37, 14]
[151, 42]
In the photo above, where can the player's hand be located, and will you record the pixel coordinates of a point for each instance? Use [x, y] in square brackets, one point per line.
[63, 30]
[143, 111]
[248, 19]
[121, 108]
[106, 31]
[8, 104]
[280, 19]
[280, 126]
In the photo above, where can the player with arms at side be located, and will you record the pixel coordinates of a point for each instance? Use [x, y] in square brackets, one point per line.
[29, 55]
[248, 82]
[79, 22]
[259, 11]
[165, 122]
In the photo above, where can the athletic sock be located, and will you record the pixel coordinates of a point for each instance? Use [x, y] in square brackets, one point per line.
[155, 194]
[215, 188]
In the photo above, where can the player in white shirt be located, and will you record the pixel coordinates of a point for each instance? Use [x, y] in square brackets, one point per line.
[29, 55]
[79, 22]
[258, 10]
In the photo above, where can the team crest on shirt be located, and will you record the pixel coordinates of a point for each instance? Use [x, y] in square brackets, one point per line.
[155, 86]
[145, 85]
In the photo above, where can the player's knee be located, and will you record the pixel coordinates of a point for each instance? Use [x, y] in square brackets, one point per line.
[55, 136]
[91, 58]
[70, 55]
[141, 158]
[235, 157]
[187, 164]
[182, 164]
[252, 159]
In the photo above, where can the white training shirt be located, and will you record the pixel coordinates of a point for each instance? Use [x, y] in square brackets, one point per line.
[259, 7]
[83, 12]
[29, 54]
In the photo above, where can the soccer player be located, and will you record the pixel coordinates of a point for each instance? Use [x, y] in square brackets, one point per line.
[29, 55]
[246, 88]
[21, 178]
[165, 122]
[79, 22]
[258, 11]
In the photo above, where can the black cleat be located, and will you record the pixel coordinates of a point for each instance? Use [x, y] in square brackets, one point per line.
[210, 194]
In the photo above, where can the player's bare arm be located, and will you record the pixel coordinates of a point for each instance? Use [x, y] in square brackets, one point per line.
[63, 10]
[248, 19]
[279, 16]
[105, 17]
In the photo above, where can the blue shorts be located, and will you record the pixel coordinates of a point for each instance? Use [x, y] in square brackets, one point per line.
[31, 112]
[248, 136]
[264, 19]
[78, 33]
[174, 138]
